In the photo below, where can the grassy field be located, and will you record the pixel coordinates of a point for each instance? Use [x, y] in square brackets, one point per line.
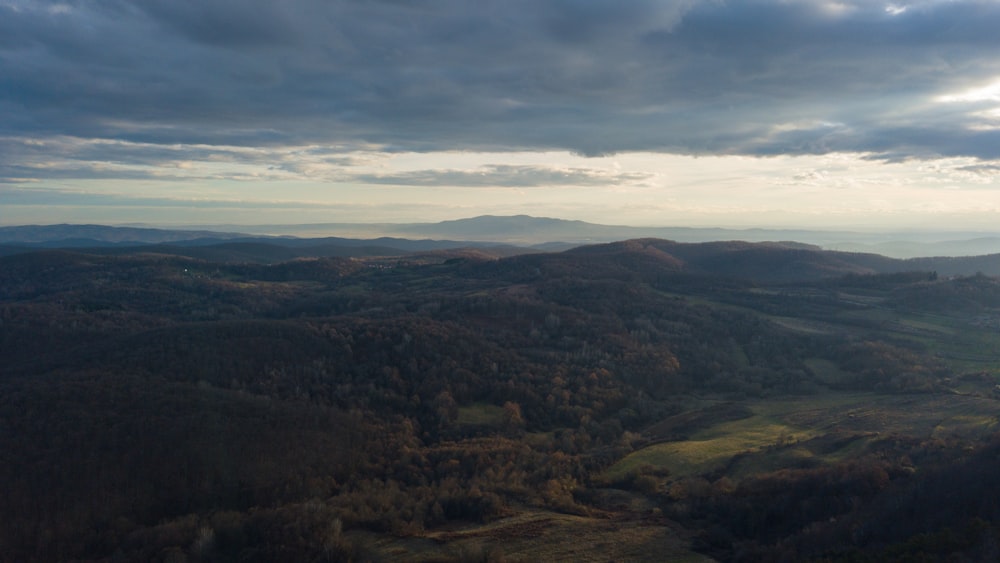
[962, 344]
[812, 430]
[956, 340]
[713, 447]
[480, 414]
[538, 535]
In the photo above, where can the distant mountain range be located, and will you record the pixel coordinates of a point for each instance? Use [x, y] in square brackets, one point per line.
[502, 234]
[555, 234]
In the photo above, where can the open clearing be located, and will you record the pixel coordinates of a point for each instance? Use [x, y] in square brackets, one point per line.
[538, 535]
[480, 414]
[850, 420]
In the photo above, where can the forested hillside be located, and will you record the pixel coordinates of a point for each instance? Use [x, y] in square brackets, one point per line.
[638, 400]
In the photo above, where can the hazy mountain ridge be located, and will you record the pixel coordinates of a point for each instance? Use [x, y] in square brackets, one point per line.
[766, 262]
[757, 262]
[915, 249]
[75, 235]
[224, 246]
[541, 233]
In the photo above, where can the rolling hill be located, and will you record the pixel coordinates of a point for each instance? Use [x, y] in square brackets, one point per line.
[257, 400]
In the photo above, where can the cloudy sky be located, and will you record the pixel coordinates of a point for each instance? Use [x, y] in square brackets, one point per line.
[730, 113]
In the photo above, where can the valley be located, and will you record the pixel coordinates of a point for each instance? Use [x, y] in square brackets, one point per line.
[643, 401]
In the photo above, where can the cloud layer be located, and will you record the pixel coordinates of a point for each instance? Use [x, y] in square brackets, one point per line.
[118, 101]
[684, 76]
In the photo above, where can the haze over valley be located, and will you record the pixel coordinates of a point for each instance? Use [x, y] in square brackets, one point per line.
[521, 231]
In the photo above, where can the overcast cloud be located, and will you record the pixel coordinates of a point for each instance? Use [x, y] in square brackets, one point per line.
[312, 89]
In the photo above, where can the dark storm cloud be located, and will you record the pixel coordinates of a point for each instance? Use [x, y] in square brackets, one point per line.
[62, 158]
[594, 77]
[17, 174]
[40, 151]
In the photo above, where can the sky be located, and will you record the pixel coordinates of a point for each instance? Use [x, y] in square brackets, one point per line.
[854, 114]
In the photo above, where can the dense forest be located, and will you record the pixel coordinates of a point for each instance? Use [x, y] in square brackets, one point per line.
[637, 401]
